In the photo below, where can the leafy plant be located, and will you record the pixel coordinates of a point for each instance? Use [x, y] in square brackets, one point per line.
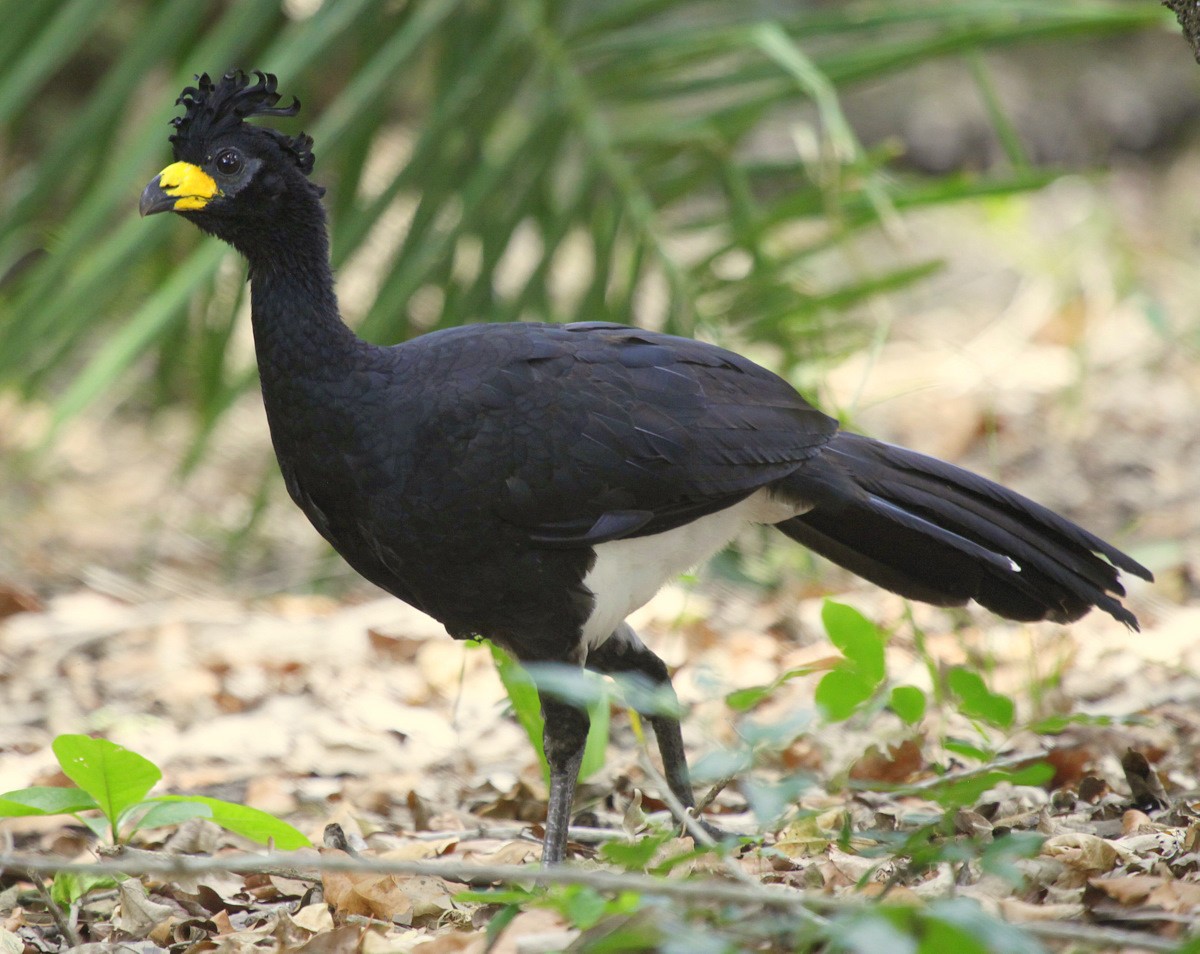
[115, 783]
[506, 142]
[521, 686]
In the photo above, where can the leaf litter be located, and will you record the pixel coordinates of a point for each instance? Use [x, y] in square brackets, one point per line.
[353, 710]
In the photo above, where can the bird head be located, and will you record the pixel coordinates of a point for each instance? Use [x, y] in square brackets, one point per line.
[228, 172]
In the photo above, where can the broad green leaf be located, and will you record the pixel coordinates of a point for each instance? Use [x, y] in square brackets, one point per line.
[523, 697]
[245, 821]
[857, 637]
[1053, 725]
[967, 749]
[962, 925]
[115, 777]
[979, 702]
[908, 702]
[634, 855]
[69, 887]
[840, 693]
[742, 699]
[966, 789]
[46, 800]
[583, 906]
[159, 814]
[513, 896]
[566, 682]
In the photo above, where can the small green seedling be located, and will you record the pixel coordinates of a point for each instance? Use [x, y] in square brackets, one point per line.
[586, 689]
[115, 782]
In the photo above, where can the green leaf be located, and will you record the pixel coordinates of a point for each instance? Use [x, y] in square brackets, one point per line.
[115, 777]
[523, 697]
[979, 702]
[159, 814]
[741, 700]
[583, 907]
[966, 789]
[962, 925]
[566, 682]
[857, 637]
[46, 800]
[1053, 725]
[507, 896]
[245, 821]
[634, 855]
[841, 692]
[69, 887]
[961, 747]
[908, 702]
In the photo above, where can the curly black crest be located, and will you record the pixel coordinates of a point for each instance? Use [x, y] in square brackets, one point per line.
[213, 109]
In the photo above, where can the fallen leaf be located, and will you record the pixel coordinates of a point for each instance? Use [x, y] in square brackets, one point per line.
[1023, 912]
[342, 940]
[314, 918]
[1144, 783]
[1085, 853]
[16, 599]
[1168, 894]
[529, 925]
[899, 764]
[1134, 821]
[137, 914]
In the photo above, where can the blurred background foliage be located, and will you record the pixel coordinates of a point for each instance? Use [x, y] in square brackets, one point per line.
[683, 164]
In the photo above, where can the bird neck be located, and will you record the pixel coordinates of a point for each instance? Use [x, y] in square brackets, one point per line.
[298, 329]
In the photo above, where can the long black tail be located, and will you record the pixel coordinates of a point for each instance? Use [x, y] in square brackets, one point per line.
[937, 533]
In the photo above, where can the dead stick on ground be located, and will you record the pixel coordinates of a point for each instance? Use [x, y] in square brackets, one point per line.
[308, 866]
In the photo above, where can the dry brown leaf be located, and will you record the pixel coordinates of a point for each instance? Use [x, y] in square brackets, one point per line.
[397, 898]
[1085, 853]
[137, 914]
[1134, 821]
[314, 918]
[519, 803]
[222, 922]
[456, 942]
[1020, 912]
[16, 599]
[509, 853]
[893, 894]
[810, 834]
[899, 764]
[1177, 897]
[530, 925]
[1144, 783]
[342, 940]
[1070, 762]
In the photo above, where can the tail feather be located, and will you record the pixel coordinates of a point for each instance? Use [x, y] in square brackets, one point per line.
[933, 532]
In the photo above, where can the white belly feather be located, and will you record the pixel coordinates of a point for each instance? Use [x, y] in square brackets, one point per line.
[628, 572]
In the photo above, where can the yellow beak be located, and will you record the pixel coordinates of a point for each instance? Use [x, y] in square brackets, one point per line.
[181, 187]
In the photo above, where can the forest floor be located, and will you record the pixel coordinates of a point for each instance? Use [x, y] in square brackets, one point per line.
[1058, 352]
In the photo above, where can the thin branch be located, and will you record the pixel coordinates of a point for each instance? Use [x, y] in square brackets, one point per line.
[60, 919]
[307, 866]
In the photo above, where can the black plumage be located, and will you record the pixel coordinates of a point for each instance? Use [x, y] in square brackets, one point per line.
[532, 483]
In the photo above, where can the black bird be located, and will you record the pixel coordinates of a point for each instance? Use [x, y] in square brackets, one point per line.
[533, 484]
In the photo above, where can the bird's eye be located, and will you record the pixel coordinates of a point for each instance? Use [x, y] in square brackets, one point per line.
[229, 162]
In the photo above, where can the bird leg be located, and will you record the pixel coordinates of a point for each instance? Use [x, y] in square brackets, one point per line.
[624, 652]
[564, 737]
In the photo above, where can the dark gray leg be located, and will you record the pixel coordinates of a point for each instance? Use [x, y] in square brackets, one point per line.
[625, 653]
[564, 738]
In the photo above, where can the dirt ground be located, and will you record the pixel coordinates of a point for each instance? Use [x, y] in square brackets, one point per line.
[1059, 352]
